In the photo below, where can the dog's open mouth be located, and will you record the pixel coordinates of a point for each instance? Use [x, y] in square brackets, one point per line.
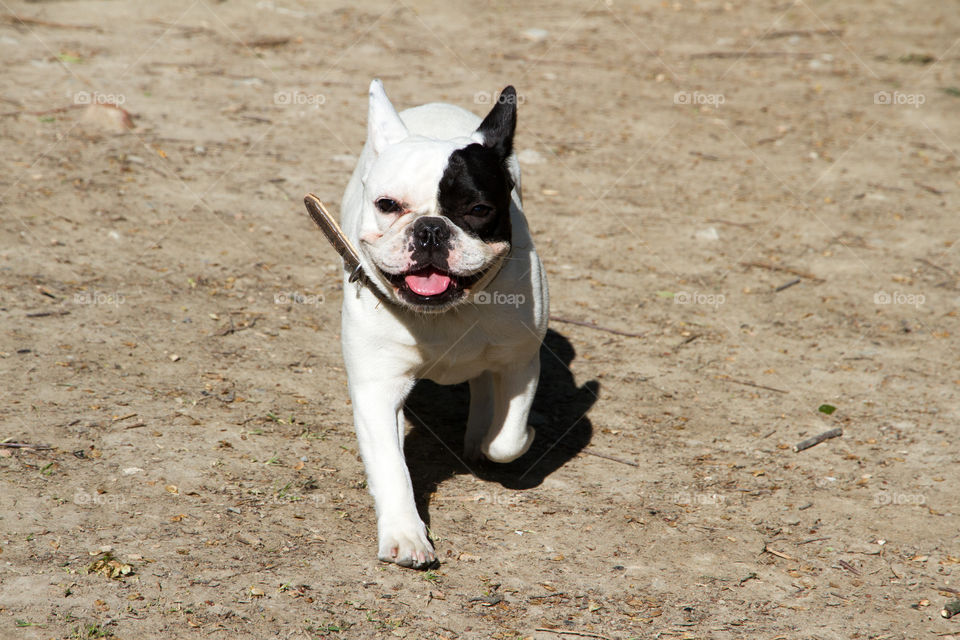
[431, 286]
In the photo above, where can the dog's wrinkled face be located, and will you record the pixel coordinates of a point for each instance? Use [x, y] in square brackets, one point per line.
[437, 212]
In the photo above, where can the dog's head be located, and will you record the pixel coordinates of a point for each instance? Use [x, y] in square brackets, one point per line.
[436, 213]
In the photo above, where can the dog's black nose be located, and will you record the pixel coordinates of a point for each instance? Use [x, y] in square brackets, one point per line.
[430, 232]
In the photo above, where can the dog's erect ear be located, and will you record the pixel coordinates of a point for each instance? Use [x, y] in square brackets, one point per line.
[384, 126]
[498, 127]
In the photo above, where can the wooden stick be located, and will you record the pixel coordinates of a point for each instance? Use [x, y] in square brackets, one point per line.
[606, 456]
[746, 225]
[773, 35]
[774, 552]
[752, 54]
[752, 384]
[688, 340]
[786, 286]
[24, 20]
[815, 440]
[776, 267]
[849, 567]
[24, 445]
[926, 187]
[592, 325]
[549, 595]
[582, 634]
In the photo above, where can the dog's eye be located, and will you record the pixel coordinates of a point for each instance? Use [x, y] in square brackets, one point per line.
[386, 205]
[481, 210]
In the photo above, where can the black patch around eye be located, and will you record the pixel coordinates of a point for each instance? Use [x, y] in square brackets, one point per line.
[387, 205]
[477, 176]
[481, 210]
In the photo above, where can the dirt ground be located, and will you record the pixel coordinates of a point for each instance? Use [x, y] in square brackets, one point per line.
[764, 194]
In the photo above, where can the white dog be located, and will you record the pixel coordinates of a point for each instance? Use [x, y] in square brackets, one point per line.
[452, 290]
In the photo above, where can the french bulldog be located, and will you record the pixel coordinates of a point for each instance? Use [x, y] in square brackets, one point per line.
[452, 291]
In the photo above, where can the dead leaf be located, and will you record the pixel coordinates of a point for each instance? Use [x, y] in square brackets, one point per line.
[109, 567]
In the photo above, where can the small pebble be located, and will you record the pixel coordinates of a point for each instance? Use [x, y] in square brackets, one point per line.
[708, 235]
[535, 34]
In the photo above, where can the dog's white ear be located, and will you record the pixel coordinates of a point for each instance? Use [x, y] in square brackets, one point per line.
[384, 126]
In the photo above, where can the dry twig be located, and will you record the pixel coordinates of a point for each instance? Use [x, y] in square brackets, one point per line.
[776, 267]
[24, 445]
[752, 384]
[592, 325]
[815, 440]
[582, 634]
[605, 456]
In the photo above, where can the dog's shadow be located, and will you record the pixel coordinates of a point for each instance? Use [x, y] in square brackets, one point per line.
[438, 414]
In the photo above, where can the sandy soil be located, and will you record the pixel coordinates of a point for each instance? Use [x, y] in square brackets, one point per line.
[765, 193]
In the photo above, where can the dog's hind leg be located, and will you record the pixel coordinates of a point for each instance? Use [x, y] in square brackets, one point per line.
[509, 435]
[481, 415]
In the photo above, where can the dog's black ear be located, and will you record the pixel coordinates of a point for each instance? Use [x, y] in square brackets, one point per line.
[498, 127]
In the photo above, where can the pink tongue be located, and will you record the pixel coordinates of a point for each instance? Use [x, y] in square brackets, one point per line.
[428, 283]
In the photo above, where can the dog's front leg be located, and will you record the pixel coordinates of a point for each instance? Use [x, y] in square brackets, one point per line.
[378, 416]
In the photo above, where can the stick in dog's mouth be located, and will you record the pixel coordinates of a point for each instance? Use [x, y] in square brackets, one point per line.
[334, 234]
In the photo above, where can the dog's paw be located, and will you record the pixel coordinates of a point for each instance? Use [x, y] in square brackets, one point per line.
[507, 447]
[407, 547]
